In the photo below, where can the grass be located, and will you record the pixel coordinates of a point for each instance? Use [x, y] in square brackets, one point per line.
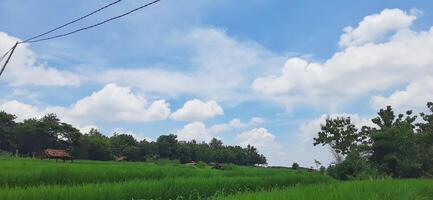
[419, 189]
[188, 188]
[35, 179]
[49, 180]
[29, 172]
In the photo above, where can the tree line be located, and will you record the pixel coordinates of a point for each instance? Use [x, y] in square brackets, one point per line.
[397, 145]
[30, 137]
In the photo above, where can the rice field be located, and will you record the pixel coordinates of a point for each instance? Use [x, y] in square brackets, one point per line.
[419, 189]
[49, 180]
[35, 179]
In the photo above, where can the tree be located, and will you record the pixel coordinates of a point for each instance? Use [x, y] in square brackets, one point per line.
[295, 166]
[95, 146]
[6, 137]
[340, 134]
[215, 143]
[167, 146]
[394, 144]
[124, 145]
[31, 136]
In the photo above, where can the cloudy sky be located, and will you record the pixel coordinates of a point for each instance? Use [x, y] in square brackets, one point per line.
[260, 72]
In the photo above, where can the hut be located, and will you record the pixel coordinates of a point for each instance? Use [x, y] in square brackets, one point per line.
[216, 165]
[56, 154]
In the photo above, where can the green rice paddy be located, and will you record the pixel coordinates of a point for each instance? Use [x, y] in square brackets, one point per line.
[29, 179]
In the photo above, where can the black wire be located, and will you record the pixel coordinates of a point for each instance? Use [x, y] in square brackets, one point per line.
[69, 23]
[94, 25]
[9, 57]
[5, 54]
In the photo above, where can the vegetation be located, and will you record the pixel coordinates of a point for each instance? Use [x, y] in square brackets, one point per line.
[36, 179]
[396, 146]
[353, 190]
[31, 136]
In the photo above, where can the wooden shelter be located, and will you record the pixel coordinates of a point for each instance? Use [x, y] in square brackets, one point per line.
[121, 158]
[56, 154]
[216, 165]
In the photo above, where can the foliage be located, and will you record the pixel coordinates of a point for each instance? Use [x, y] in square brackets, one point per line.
[348, 190]
[36, 179]
[31, 136]
[295, 166]
[395, 146]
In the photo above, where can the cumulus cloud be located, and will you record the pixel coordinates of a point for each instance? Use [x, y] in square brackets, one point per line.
[354, 71]
[194, 131]
[265, 143]
[235, 124]
[112, 103]
[21, 110]
[197, 110]
[200, 132]
[24, 68]
[116, 103]
[375, 27]
[414, 96]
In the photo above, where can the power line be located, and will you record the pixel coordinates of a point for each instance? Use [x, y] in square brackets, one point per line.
[32, 39]
[71, 22]
[9, 57]
[5, 54]
[92, 26]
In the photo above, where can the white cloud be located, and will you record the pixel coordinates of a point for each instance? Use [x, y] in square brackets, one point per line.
[138, 136]
[235, 124]
[217, 67]
[112, 103]
[265, 143]
[154, 80]
[87, 128]
[413, 97]
[198, 130]
[24, 69]
[375, 27]
[197, 110]
[257, 120]
[21, 110]
[194, 130]
[116, 103]
[352, 72]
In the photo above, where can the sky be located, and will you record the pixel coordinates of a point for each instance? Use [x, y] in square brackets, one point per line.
[261, 72]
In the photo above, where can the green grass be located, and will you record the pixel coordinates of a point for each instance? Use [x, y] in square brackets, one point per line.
[35, 179]
[28, 172]
[353, 190]
[189, 188]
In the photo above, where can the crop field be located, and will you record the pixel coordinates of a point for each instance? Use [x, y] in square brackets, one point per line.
[36, 179]
[351, 190]
[43, 179]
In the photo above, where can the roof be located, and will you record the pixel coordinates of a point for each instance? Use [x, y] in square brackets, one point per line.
[56, 153]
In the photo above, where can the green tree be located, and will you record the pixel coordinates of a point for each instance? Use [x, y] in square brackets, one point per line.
[95, 146]
[394, 144]
[340, 134]
[124, 145]
[7, 122]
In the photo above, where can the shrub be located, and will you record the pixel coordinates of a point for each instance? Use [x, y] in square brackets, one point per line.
[201, 165]
[295, 166]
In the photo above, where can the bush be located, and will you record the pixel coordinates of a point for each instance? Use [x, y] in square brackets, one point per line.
[322, 170]
[201, 165]
[353, 167]
[295, 166]
[167, 162]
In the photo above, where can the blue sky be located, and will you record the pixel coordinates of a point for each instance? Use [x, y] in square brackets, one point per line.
[264, 72]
